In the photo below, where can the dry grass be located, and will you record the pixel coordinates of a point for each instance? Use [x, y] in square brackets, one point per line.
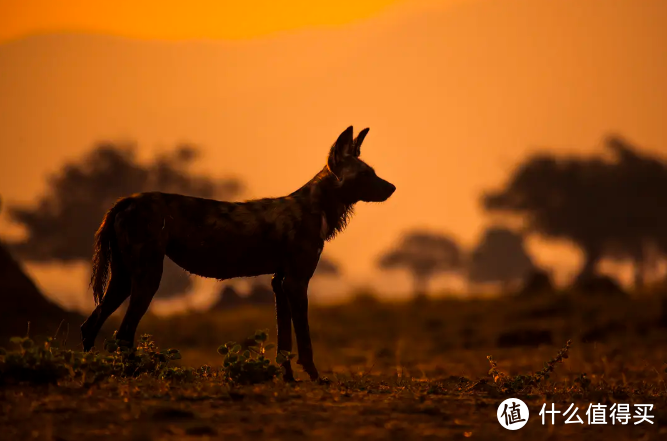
[398, 371]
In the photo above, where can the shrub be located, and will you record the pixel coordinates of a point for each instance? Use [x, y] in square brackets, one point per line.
[48, 363]
[251, 366]
[519, 383]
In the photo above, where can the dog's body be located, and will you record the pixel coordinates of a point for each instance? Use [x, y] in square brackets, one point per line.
[281, 236]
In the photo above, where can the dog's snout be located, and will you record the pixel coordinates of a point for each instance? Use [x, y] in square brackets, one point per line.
[391, 188]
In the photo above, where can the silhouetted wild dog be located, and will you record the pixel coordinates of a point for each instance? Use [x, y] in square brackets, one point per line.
[281, 236]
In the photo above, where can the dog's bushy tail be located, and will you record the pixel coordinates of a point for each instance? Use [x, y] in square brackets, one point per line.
[105, 249]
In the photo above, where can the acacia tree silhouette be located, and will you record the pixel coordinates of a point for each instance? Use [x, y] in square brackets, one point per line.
[499, 257]
[610, 208]
[423, 254]
[61, 226]
[639, 185]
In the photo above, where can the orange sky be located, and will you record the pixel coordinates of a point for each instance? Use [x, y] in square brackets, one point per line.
[455, 92]
[172, 19]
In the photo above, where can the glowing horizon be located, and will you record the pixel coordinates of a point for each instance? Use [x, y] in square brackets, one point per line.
[171, 20]
[470, 87]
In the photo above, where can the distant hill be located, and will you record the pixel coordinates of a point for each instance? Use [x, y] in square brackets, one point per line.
[22, 302]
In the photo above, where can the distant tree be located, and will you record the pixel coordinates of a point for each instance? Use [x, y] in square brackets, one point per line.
[227, 299]
[557, 200]
[499, 257]
[607, 207]
[61, 227]
[537, 282]
[645, 256]
[327, 267]
[638, 184]
[598, 284]
[261, 292]
[424, 254]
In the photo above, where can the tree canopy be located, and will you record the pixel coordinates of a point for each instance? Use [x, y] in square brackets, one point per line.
[499, 257]
[60, 227]
[613, 207]
[424, 254]
[327, 267]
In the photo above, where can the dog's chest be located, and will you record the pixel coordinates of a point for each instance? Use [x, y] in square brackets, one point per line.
[324, 227]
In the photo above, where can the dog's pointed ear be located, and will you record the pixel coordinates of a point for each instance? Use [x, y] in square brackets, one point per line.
[344, 146]
[345, 143]
[359, 140]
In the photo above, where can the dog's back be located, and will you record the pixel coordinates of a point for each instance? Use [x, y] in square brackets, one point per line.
[215, 238]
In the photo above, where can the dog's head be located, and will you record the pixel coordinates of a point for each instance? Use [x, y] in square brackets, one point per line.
[358, 181]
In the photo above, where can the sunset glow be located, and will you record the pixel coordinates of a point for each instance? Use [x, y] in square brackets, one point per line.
[456, 93]
[176, 19]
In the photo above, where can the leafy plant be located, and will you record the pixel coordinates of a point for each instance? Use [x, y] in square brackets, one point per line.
[49, 363]
[34, 363]
[146, 359]
[583, 381]
[519, 383]
[250, 366]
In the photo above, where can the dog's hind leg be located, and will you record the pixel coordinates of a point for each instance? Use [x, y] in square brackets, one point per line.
[145, 282]
[116, 293]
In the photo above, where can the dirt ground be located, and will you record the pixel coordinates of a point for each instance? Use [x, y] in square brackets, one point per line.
[396, 370]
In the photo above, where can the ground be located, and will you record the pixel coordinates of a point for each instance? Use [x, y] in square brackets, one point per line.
[405, 370]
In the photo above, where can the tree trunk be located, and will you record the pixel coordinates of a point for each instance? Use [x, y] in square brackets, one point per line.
[420, 284]
[662, 320]
[507, 286]
[639, 278]
[588, 270]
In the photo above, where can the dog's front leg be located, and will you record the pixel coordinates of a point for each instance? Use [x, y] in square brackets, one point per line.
[284, 323]
[297, 293]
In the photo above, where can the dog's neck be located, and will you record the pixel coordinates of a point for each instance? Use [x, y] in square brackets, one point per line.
[326, 199]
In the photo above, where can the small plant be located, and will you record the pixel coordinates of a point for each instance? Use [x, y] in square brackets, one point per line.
[147, 359]
[251, 366]
[583, 381]
[48, 363]
[510, 385]
[34, 363]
